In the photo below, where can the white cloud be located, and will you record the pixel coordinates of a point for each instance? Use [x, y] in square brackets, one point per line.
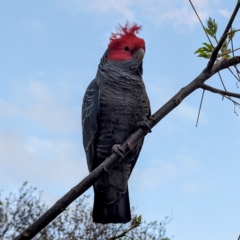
[51, 165]
[48, 108]
[34, 145]
[122, 7]
[33, 26]
[179, 13]
[161, 93]
[45, 153]
[200, 3]
[188, 112]
[159, 171]
[225, 13]
[104, 6]
[194, 187]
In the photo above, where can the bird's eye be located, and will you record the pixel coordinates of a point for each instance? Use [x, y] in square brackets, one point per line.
[127, 48]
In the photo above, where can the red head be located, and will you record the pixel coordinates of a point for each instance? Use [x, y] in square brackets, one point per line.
[125, 43]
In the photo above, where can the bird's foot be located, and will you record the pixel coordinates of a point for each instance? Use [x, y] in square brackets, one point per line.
[144, 125]
[117, 148]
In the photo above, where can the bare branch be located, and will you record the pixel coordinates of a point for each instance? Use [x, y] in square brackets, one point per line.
[200, 107]
[112, 160]
[236, 104]
[124, 232]
[220, 76]
[200, 22]
[230, 51]
[238, 78]
[232, 45]
[226, 63]
[221, 92]
[222, 39]
[233, 31]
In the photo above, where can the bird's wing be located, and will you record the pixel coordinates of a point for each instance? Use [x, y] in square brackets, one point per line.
[140, 143]
[90, 110]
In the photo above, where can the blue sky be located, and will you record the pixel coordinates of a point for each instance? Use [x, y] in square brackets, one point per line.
[50, 51]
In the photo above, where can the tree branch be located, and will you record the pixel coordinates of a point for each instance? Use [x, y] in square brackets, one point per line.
[226, 53]
[129, 144]
[238, 78]
[222, 92]
[226, 63]
[124, 232]
[222, 39]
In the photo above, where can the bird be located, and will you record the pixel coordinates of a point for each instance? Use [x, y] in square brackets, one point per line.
[114, 106]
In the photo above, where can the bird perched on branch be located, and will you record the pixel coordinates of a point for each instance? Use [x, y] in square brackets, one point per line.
[114, 106]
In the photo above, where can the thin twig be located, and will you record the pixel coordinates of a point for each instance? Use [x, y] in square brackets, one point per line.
[229, 51]
[235, 108]
[220, 76]
[238, 73]
[233, 31]
[201, 22]
[232, 44]
[200, 108]
[124, 232]
[234, 74]
[222, 81]
[121, 225]
[235, 104]
[219, 91]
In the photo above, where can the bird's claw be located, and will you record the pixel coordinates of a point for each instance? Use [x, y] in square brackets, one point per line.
[117, 148]
[144, 125]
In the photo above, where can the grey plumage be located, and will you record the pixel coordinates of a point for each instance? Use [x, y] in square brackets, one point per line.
[113, 105]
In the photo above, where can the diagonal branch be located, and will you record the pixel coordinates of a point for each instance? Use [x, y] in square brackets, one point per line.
[222, 39]
[124, 232]
[238, 78]
[229, 51]
[129, 144]
[219, 91]
[226, 63]
[112, 160]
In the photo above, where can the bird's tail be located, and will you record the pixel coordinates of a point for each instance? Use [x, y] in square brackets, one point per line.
[111, 213]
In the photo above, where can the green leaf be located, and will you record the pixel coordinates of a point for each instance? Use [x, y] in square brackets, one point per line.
[206, 51]
[228, 56]
[231, 34]
[204, 55]
[209, 32]
[224, 46]
[25, 183]
[209, 46]
[139, 219]
[212, 26]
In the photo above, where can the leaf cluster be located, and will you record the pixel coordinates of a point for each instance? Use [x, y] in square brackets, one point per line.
[207, 50]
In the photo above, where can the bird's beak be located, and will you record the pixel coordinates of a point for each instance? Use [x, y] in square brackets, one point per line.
[139, 55]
